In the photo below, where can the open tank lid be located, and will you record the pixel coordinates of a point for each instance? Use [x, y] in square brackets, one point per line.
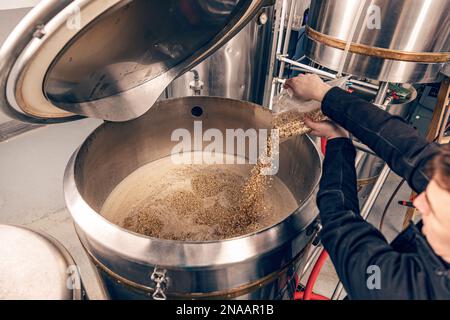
[109, 59]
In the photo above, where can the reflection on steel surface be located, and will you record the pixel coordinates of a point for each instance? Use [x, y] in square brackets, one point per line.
[415, 32]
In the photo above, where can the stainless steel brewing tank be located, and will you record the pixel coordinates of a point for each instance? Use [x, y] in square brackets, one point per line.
[239, 69]
[403, 41]
[261, 265]
[109, 59]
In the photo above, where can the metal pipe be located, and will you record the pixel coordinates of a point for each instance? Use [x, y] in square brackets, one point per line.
[282, 23]
[279, 26]
[362, 89]
[365, 212]
[381, 95]
[272, 93]
[365, 84]
[287, 38]
[273, 54]
[309, 71]
[306, 67]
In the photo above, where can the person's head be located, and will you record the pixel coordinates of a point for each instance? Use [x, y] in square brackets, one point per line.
[434, 204]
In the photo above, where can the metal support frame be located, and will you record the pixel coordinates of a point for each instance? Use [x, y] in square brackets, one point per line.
[282, 36]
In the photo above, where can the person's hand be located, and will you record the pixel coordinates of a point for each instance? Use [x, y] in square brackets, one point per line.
[326, 129]
[308, 87]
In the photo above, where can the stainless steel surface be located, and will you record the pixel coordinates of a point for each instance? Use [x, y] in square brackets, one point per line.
[308, 68]
[287, 38]
[300, 6]
[270, 86]
[380, 98]
[119, 60]
[411, 26]
[13, 47]
[34, 266]
[238, 70]
[115, 150]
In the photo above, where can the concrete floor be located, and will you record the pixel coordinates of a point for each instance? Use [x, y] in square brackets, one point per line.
[31, 194]
[31, 173]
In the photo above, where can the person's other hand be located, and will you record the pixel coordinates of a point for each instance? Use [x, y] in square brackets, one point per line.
[308, 87]
[326, 129]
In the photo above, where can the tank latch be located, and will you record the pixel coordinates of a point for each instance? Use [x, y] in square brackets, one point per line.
[161, 281]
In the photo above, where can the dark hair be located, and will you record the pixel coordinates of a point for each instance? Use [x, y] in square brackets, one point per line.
[440, 167]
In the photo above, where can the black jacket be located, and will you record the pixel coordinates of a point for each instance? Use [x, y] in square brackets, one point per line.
[408, 267]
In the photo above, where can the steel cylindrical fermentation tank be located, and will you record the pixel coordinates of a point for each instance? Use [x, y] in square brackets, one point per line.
[238, 70]
[396, 41]
[260, 265]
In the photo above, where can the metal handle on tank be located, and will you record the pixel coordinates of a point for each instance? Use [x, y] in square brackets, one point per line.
[161, 281]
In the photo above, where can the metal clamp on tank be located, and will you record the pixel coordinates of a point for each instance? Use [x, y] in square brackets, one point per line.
[161, 281]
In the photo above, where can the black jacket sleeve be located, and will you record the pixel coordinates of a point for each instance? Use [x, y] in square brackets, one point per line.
[357, 248]
[390, 137]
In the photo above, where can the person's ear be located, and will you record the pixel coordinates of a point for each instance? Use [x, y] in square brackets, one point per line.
[421, 204]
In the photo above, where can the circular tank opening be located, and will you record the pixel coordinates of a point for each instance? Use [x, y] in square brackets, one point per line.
[197, 111]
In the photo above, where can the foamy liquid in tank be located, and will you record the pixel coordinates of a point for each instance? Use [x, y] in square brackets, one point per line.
[193, 202]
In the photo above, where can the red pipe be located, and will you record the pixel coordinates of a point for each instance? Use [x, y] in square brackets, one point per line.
[314, 275]
[323, 145]
[314, 296]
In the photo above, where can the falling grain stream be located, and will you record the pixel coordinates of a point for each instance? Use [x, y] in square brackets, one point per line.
[207, 202]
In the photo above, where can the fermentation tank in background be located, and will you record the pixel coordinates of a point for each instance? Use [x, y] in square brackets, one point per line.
[238, 70]
[401, 41]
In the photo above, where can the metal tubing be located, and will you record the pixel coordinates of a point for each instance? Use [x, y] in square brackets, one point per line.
[306, 67]
[362, 89]
[273, 56]
[280, 28]
[282, 23]
[365, 84]
[381, 95]
[309, 71]
[287, 38]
